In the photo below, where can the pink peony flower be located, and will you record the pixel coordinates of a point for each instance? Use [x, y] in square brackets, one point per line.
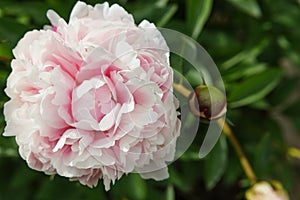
[92, 99]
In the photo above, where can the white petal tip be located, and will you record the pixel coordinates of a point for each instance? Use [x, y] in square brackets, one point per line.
[53, 17]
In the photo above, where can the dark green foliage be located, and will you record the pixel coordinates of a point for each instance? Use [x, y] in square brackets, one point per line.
[256, 46]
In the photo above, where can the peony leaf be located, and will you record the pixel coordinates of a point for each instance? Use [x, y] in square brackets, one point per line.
[131, 187]
[8, 152]
[249, 54]
[254, 88]
[5, 52]
[263, 153]
[292, 112]
[158, 13]
[198, 13]
[215, 163]
[284, 90]
[168, 14]
[139, 187]
[180, 181]
[250, 7]
[243, 70]
[11, 31]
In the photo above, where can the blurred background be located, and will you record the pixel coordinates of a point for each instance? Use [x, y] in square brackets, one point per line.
[256, 46]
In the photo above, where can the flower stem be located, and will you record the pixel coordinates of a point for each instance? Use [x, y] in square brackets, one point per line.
[233, 140]
[243, 159]
[5, 59]
[181, 89]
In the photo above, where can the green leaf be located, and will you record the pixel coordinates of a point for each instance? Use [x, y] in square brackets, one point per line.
[261, 104]
[131, 186]
[262, 156]
[5, 51]
[11, 31]
[218, 42]
[160, 14]
[292, 112]
[248, 55]
[249, 7]
[197, 15]
[284, 90]
[180, 181]
[254, 88]
[215, 163]
[168, 14]
[138, 186]
[231, 176]
[3, 76]
[26, 12]
[8, 152]
[178, 25]
[243, 70]
[285, 175]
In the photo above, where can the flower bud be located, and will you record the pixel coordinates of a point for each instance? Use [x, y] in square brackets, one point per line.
[208, 102]
[265, 191]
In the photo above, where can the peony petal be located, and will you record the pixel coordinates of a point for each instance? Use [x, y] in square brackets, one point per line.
[101, 141]
[49, 113]
[80, 10]
[126, 54]
[108, 121]
[157, 175]
[142, 116]
[53, 17]
[72, 134]
[87, 85]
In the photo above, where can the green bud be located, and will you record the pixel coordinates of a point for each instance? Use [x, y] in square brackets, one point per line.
[208, 102]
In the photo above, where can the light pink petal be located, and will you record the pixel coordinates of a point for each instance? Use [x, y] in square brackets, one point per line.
[49, 113]
[21, 51]
[87, 85]
[157, 175]
[101, 141]
[80, 10]
[53, 17]
[108, 121]
[142, 116]
[70, 134]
